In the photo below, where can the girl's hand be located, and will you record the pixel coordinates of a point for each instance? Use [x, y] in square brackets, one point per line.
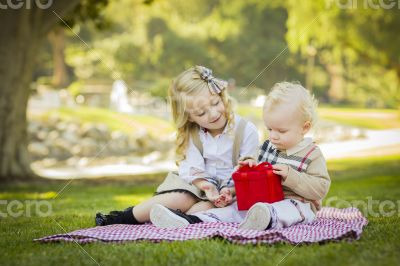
[225, 198]
[211, 191]
[281, 169]
[249, 162]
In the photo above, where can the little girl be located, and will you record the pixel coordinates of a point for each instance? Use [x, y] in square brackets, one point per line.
[210, 140]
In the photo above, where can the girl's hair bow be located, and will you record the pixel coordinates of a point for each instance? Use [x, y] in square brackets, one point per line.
[215, 85]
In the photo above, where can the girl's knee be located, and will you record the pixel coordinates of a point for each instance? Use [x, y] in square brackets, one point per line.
[177, 200]
[181, 197]
[200, 206]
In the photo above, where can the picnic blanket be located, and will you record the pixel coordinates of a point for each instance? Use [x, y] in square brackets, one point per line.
[331, 224]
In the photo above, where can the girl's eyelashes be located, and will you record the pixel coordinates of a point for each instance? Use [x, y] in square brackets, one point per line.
[215, 103]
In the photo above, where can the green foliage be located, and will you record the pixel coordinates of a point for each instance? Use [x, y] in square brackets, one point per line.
[256, 43]
[75, 88]
[160, 88]
[88, 10]
[357, 39]
[74, 208]
[237, 39]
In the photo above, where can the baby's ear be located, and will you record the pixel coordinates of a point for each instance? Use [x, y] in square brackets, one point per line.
[306, 127]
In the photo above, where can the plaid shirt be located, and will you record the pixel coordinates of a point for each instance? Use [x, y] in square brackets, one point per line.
[308, 178]
[269, 153]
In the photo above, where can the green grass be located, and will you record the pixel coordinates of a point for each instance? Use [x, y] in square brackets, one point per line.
[115, 121]
[364, 118]
[352, 179]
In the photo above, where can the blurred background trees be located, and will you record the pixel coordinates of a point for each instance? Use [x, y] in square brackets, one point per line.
[347, 53]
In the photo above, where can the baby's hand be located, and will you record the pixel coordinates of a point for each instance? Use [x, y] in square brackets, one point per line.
[281, 169]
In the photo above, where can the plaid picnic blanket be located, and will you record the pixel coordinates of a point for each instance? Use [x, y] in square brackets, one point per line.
[332, 224]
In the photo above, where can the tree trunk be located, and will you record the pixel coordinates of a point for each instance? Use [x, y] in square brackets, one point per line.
[310, 72]
[16, 67]
[22, 32]
[335, 91]
[311, 52]
[398, 86]
[60, 74]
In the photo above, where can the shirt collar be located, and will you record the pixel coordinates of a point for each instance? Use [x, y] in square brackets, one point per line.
[301, 145]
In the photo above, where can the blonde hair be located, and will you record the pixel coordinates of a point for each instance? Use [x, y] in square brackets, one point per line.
[188, 83]
[294, 94]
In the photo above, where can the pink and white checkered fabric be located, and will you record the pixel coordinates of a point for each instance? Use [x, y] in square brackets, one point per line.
[332, 224]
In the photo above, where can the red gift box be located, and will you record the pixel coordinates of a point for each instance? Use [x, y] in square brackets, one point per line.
[257, 184]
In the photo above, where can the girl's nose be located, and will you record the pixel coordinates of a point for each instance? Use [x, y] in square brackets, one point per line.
[213, 114]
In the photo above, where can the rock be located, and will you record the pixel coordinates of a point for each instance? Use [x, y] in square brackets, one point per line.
[132, 144]
[71, 137]
[61, 140]
[73, 161]
[73, 127]
[89, 147]
[53, 135]
[42, 134]
[119, 143]
[143, 141]
[76, 150]
[33, 127]
[60, 149]
[105, 131]
[118, 135]
[61, 126]
[94, 132]
[38, 150]
[53, 119]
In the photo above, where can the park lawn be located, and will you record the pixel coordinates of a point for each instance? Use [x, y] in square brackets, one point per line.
[364, 118]
[352, 179]
[129, 124]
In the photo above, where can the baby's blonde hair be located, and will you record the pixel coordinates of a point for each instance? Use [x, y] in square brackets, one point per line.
[188, 83]
[293, 94]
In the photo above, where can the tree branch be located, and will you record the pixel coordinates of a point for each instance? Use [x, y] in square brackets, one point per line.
[60, 8]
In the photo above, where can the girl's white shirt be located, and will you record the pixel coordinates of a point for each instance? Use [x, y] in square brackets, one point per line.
[216, 162]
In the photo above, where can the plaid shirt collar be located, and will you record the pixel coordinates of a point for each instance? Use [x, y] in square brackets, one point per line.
[301, 145]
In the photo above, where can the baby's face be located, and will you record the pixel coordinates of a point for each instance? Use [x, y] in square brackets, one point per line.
[285, 125]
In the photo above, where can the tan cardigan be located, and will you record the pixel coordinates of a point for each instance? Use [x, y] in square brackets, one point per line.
[312, 183]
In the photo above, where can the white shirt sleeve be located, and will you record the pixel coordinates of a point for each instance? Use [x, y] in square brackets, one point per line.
[250, 144]
[249, 148]
[193, 166]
